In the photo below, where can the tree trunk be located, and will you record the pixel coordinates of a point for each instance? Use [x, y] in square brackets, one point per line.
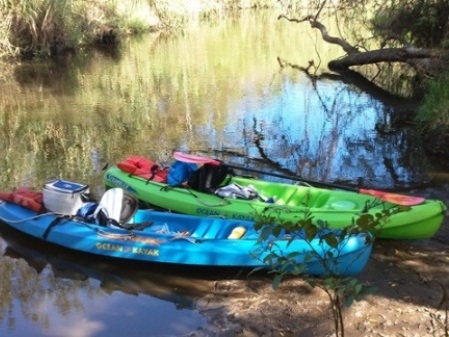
[414, 56]
[404, 55]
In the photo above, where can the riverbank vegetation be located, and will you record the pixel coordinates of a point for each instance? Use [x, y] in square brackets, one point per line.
[42, 28]
[433, 116]
[47, 28]
[405, 54]
[423, 24]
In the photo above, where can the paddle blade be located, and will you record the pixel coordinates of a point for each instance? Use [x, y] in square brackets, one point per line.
[393, 198]
[191, 158]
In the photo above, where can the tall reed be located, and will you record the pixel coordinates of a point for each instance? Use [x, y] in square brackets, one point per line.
[34, 26]
[49, 27]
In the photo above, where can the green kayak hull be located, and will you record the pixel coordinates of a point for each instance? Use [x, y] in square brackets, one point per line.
[292, 202]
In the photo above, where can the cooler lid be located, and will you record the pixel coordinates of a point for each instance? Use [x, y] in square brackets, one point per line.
[63, 185]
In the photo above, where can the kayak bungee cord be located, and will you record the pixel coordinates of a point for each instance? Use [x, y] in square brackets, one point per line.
[202, 202]
[27, 219]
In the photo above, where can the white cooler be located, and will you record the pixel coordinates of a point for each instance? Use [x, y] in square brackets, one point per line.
[64, 197]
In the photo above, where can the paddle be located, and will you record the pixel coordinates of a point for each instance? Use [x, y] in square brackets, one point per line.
[393, 198]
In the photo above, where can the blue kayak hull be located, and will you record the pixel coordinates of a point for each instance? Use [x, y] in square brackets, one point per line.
[169, 238]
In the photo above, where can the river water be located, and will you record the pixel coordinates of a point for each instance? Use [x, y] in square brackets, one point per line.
[216, 88]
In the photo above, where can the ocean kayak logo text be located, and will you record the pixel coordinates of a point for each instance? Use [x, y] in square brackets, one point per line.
[233, 216]
[118, 183]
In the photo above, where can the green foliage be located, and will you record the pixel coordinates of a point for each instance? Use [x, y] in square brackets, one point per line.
[341, 291]
[434, 112]
[347, 289]
[49, 27]
[422, 23]
[35, 27]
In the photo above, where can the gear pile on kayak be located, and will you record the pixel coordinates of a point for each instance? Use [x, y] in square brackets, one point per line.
[203, 192]
[65, 215]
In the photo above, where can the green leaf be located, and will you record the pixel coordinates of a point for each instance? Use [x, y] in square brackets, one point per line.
[276, 281]
[330, 239]
[310, 231]
[265, 233]
[349, 300]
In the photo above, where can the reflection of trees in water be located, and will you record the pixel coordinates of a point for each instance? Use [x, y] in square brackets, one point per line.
[36, 277]
[34, 287]
[168, 93]
[345, 136]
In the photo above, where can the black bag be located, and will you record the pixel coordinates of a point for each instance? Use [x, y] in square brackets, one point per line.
[209, 177]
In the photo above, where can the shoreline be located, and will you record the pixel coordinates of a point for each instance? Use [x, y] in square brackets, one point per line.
[411, 280]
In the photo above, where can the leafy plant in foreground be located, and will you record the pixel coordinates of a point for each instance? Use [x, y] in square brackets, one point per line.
[341, 291]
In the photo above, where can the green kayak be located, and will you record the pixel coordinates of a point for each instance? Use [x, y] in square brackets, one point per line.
[286, 202]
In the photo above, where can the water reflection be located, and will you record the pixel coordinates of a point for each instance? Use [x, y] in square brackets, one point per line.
[52, 292]
[326, 131]
[71, 120]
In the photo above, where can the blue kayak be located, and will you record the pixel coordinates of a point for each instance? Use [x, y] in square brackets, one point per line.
[169, 238]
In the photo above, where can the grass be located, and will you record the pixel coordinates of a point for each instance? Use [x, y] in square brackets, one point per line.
[43, 28]
[434, 112]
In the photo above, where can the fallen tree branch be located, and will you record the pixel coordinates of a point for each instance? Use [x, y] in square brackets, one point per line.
[355, 57]
[404, 55]
[314, 23]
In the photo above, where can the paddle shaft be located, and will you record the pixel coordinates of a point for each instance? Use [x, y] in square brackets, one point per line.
[295, 178]
[399, 199]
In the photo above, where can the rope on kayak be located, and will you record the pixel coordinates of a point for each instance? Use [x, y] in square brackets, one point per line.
[283, 208]
[114, 235]
[60, 216]
[102, 231]
[26, 219]
[202, 202]
[182, 236]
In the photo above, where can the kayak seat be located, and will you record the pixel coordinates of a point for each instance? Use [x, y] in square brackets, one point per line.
[318, 198]
[282, 198]
[116, 207]
[293, 199]
[200, 231]
[308, 198]
[217, 231]
[300, 197]
[288, 195]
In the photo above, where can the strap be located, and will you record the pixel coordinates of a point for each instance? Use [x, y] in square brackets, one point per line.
[55, 222]
[153, 171]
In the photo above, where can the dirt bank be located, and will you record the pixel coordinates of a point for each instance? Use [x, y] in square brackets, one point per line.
[411, 280]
